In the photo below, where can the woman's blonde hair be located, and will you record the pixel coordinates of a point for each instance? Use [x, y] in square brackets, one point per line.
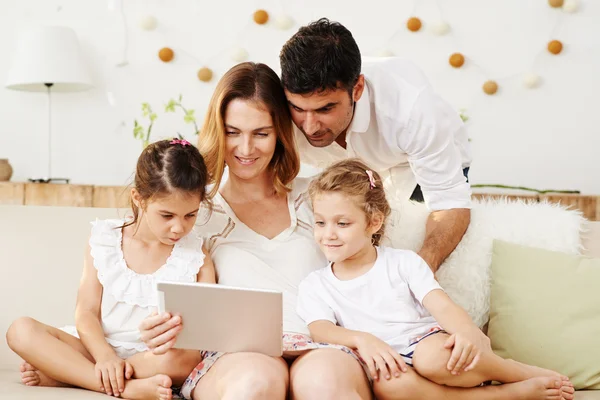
[352, 177]
[259, 83]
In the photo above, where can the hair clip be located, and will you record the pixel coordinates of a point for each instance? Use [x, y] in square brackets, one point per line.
[371, 178]
[182, 142]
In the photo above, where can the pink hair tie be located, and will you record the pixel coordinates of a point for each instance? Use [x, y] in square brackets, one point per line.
[182, 142]
[371, 178]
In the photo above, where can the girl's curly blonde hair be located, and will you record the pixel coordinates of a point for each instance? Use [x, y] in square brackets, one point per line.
[351, 178]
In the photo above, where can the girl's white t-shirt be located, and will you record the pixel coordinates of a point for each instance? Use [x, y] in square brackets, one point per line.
[386, 301]
[244, 258]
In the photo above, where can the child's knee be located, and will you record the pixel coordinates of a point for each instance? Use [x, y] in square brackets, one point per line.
[20, 332]
[430, 360]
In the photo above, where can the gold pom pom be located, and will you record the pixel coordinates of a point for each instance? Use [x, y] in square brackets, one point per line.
[555, 3]
[166, 54]
[261, 17]
[490, 87]
[413, 24]
[555, 47]
[205, 74]
[457, 60]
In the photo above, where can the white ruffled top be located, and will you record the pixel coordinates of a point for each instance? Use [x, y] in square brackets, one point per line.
[129, 297]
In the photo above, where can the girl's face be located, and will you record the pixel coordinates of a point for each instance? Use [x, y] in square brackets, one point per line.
[170, 217]
[341, 227]
[250, 139]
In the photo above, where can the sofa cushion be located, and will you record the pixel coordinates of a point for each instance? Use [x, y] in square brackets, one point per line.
[545, 310]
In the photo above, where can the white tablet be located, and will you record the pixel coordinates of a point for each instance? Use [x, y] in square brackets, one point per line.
[225, 318]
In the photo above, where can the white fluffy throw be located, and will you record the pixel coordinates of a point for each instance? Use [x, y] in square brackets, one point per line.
[465, 275]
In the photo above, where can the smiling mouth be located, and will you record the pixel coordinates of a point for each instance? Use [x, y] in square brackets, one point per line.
[246, 161]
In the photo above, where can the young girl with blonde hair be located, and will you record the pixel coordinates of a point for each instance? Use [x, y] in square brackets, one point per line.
[385, 303]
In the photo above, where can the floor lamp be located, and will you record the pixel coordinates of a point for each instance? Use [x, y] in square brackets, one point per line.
[48, 59]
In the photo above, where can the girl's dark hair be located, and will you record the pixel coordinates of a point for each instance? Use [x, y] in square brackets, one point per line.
[350, 178]
[166, 167]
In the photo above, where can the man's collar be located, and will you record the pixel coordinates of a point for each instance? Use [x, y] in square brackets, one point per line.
[362, 112]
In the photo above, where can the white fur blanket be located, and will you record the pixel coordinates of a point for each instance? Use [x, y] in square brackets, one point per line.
[465, 275]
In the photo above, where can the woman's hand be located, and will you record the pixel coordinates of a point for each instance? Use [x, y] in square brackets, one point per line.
[159, 332]
[111, 371]
[379, 357]
[467, 348]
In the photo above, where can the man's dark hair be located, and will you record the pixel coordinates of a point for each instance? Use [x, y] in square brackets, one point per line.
[321, 56]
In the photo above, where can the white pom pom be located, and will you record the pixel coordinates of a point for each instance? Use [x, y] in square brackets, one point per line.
[385, 53]
[284, 22]
[571, 6]
[440, 28]
[148, 23]
[531, 80]
[238, 54]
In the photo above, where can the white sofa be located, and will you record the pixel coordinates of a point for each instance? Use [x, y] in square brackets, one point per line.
[41, 252]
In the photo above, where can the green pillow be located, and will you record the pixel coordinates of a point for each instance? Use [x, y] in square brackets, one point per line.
[545, 311]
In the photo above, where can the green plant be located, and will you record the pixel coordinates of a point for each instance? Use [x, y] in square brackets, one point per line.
[143, 133]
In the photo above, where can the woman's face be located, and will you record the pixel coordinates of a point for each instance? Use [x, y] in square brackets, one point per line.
[250, 139]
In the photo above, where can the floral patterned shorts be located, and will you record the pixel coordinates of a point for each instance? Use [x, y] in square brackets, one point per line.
[294, 345]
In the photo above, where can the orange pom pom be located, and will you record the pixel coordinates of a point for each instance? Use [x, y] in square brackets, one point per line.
[555, 47]
[261, 17]
[166, 54]
[205, 74]
[413, 24]
[555, 3]
[457, 60]
[490, 87]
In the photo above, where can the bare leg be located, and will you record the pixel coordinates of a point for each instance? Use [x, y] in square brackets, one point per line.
[175, 363]
[412, 386]
[244, 376]
[316, 375]
[61, 359]
[328, 374]
[430, 359]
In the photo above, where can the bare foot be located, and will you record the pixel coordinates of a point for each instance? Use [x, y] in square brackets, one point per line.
[156, 387]
[532, 371]
[31, 376]
[540, 388]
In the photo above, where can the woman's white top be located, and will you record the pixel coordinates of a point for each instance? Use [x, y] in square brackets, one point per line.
[244, 258]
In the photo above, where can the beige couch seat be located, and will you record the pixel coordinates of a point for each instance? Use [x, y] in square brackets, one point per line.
[41, 253]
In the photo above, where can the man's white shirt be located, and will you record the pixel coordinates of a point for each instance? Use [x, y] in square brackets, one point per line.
[402, 129]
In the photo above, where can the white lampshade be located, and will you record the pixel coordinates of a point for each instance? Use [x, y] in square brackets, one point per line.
[48, 55]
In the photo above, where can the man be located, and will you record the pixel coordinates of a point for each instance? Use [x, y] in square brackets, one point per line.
[388, 115]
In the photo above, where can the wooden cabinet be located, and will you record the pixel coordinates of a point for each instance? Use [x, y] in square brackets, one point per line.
[65, 195]
[58, 194]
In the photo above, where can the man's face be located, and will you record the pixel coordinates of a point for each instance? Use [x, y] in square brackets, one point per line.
[323, 116]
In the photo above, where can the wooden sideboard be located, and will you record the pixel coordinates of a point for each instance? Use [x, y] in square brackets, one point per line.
[51, 194]
[66, 195]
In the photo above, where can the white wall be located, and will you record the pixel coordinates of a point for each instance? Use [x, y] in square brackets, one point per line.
[544, 138]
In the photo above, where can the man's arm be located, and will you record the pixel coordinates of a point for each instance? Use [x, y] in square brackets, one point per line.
[443, 232]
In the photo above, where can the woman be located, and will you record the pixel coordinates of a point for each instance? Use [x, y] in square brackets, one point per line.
[260, 235]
